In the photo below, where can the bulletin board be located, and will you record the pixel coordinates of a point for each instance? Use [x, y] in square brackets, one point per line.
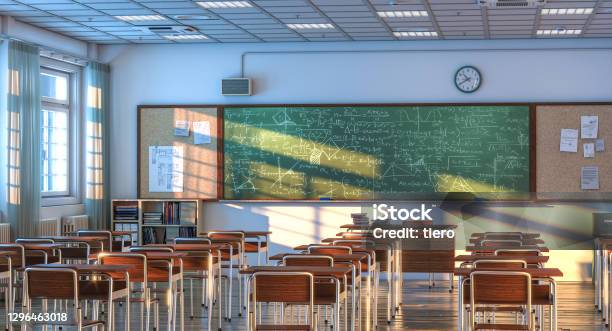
[559, 173]
[156, 127]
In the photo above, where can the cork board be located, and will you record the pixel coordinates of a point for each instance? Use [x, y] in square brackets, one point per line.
[200, 162]
[558, 173]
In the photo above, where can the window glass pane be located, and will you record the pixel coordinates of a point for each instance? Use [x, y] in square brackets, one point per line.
[54, 86]
[55, 158]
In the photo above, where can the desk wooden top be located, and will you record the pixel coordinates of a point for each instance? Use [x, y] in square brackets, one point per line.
[524, 241]
[247, 234]
[37, 246]
[87, 268]
[75, 238]
[336, 271]
[339, 257]
[354, 249]
[526, 235]
[534, 272]
[149, 255]
[491, 249]
[190, 247]
[529, 259]
[122, 233]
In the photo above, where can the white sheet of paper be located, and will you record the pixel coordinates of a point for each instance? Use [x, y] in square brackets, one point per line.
[201, 133]
[599, 145]
[589, 178]
[569, 140]
[165, 168]
[588, 127]
[181, 128]
[588, 150]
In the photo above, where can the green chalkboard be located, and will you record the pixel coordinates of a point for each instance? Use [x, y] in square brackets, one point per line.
[379, 152]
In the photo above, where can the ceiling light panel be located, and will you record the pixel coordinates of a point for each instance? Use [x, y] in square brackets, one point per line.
[185, 37]
[558, 32]
[403, 14]
[566, 11]
[310, 26]
[415, 34]
[224, 4]
[140, 18]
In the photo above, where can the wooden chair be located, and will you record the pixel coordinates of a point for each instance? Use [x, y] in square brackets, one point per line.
[520, 252]
[197, 240]
[57, 284]
[107, 243]
[40, 257]
[295, 288]
[500, 288]
[138, 274]
[168, 272]
[236, 240]
[329, 291]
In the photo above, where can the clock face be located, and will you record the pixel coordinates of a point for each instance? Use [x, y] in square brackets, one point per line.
[467, 79]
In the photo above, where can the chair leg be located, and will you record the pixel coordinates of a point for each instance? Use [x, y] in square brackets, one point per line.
[191, 294]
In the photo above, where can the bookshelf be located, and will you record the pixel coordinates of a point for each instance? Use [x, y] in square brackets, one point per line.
[156, 221]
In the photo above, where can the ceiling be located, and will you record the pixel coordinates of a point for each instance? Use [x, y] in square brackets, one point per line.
[351, 20]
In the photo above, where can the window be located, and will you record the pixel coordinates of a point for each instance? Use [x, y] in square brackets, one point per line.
[59, 127]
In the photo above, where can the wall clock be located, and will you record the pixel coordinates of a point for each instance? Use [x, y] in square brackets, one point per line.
[468, 79]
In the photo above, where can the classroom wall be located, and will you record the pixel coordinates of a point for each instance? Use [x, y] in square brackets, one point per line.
[372, 72]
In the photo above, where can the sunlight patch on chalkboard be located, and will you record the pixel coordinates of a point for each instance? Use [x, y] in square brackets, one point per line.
[319, 154]
[453, 183]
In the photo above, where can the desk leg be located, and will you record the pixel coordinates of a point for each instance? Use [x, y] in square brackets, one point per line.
[219, 290]
[390, 286]
[267, 249]
[460, 305]
[369, 297]
[354, 300]
[596, 276]
[228, 313]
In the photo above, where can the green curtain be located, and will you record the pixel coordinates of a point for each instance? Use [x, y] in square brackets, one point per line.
[97, 199]
[24, 145]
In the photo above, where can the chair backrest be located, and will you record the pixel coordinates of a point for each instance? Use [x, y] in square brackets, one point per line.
[354, 243]
[287, 287]
[151, 249]
[498, 264]
[503, 236]
[223, 235]
[500, 288]
[518, 252]
[106, 243]
[493, 243]
[309, 260]
[198, 240]
[34, 241]
[51, 283]
[330, 250]
[18, 261]
[138, 265]
[197, 260]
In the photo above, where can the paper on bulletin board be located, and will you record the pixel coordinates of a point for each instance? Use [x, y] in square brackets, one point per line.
[589, 150]
[201, 133]
[589, 178]
[589, 126]
[569, 140]
[599, 145]
[165, 168]
[181, 128]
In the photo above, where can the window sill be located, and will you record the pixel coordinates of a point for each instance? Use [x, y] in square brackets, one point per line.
[51, 201]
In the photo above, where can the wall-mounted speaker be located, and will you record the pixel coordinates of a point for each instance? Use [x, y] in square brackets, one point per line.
[236, 86]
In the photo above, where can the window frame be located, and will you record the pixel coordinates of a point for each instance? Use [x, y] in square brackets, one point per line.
[75, 128]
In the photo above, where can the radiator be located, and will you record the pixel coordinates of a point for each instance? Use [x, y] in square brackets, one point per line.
[5, 232]
[72, 224]
[49, 227]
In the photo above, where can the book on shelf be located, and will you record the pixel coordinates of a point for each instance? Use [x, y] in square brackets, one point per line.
[125, 212]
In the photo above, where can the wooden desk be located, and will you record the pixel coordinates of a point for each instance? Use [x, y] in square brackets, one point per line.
[492, 249]
[338, 258]
[526, 235]
[154, 256]
[530, 259]
[528, 241]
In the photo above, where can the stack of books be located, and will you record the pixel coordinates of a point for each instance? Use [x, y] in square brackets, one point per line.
[152, 218]
[360, 219]
[172, 213]
[125, 213]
